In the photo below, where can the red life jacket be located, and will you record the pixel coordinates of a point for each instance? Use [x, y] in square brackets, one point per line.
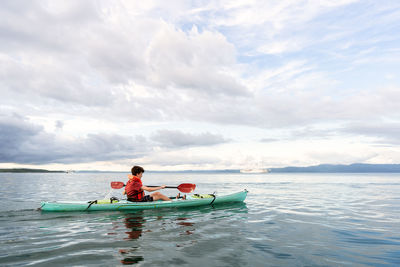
[134, 190]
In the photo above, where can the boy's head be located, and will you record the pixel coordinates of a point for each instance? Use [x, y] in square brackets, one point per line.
[136, 170]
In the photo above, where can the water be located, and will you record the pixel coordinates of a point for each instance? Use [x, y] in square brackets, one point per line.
[287, 220]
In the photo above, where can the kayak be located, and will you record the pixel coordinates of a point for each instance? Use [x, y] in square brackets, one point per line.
[194, 200]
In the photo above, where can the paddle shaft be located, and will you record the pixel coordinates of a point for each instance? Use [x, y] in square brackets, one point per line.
[185, 188]
[160, 186]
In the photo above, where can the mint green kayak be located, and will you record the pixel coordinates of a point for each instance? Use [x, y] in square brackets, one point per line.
[194, 200]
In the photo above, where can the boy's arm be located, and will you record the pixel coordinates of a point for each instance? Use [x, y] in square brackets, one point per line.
[151, 189]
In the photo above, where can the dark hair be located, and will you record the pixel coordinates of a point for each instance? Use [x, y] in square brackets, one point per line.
[136, 170]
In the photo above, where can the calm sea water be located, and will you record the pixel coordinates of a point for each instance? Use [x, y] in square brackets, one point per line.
[287, 220]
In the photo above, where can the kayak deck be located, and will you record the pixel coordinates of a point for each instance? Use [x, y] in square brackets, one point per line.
[191, 201]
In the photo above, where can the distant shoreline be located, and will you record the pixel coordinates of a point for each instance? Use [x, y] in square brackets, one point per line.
[322, 168]
[352, 168]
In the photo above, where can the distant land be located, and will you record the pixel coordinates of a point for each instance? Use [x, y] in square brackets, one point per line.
[352, 168]
[323, 168]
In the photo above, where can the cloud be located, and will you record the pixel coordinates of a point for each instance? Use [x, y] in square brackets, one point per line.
[198, 61]
[59, 124]
[178, 139]
[341, 157]
[167, 58]
[25, 142]
[14, 132]
[380, 132]
[60, 57]
[45, 26]
[281, 27]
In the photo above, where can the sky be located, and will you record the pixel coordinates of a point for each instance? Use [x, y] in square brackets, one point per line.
[198, 85]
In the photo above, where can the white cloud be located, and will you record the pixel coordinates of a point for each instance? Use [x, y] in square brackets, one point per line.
[178, 160]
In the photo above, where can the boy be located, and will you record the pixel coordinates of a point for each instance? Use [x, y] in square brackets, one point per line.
[134, 188]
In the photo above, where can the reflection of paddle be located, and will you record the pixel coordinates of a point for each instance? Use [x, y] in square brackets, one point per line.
[184, 188]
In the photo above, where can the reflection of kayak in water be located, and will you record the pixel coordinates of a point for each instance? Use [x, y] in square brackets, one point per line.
[194, 200]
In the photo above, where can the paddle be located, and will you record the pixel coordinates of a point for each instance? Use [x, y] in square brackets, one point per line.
[184, 188]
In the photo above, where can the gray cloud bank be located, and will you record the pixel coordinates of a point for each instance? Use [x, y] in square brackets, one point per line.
[179, 139]
[24, 142]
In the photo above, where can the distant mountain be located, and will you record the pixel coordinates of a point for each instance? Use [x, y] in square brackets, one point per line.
[352, 168]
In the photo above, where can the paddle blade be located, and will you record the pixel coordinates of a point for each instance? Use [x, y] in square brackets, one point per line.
[117, 185]
[187, 188]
